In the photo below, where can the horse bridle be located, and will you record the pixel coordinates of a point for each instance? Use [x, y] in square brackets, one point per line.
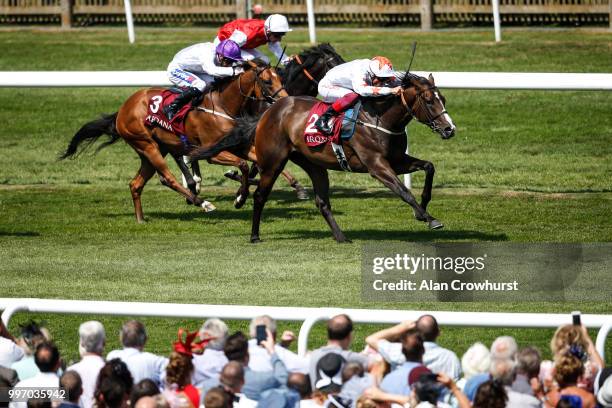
[267, 97]
[430, 121]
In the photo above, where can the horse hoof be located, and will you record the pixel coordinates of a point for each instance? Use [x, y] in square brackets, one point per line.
[255, 240]
[207, 206]
[302, 194]
[239, 201]
[435, 224]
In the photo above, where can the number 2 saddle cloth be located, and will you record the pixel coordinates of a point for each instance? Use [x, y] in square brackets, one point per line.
[343, 125]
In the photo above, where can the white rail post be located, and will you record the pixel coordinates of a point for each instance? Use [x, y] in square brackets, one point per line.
[311, 21]
[10, 311]
[129, 21]
[496, 20]
[600, 342]
[407, 176]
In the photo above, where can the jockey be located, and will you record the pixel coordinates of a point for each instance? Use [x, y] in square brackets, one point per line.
[344, 84]
[196, 67]
[251, 33]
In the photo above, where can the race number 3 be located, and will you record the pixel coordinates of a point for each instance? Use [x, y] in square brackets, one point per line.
[310, 126]
[156, 102]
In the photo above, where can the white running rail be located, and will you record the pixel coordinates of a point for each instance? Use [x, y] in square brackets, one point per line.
[309, 316]
[456, 80]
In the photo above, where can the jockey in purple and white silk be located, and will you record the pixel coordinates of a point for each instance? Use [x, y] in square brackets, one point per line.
[196, 67]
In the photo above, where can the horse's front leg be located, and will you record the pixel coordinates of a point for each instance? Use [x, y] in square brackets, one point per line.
[228, 159]
[380, 169]
[409, 164]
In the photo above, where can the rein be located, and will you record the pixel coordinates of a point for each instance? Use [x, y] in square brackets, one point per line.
[304, 70]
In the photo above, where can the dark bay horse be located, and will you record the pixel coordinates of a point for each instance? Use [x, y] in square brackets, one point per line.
[205, 125]
[378, 147]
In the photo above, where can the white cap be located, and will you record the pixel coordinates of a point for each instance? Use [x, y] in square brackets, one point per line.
[381, 67]
[277, 23]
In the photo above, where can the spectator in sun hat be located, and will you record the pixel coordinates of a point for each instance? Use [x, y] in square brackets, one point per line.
[141, 364]
[339, 339]
[179, 390]
[328, 380]
[32, 334]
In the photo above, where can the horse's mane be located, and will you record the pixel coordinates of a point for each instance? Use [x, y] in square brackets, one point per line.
[408, 77]
[309, 56]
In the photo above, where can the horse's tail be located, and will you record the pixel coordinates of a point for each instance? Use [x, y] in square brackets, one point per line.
[240, 137]
[90, 132]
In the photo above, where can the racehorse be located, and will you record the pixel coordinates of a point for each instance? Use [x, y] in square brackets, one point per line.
[300, 76]
[206, 125]
[378, 146]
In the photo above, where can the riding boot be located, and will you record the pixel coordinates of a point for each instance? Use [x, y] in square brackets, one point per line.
[186, 96]
[323, 122]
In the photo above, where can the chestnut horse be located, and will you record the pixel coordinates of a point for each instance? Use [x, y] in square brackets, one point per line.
[205, 125]
[377, 147]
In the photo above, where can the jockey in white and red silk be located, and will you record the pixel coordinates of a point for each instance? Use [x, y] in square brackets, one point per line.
[196, 67]
[344, 84]
[251, 33]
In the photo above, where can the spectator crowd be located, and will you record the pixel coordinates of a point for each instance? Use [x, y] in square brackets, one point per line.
[401, 366]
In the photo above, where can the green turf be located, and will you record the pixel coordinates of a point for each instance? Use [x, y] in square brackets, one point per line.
[525, 166]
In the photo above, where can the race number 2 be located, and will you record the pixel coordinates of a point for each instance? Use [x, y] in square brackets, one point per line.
[310, 126]
[156, 102]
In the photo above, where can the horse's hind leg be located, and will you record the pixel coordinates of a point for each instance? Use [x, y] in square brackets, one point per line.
[152, 153]
[137, 184]
[320, 184]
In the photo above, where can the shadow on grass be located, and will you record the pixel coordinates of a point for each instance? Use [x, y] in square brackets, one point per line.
[398, 235]
[19, 234]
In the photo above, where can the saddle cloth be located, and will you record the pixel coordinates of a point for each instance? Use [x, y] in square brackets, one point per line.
[157, 117]
[343, 125]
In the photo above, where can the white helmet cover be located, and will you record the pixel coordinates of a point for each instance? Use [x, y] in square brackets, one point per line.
[277, 23]
[381, 67]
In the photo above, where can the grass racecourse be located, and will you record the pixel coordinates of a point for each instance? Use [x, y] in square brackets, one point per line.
[525, 166]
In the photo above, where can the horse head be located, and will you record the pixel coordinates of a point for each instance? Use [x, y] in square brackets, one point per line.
[302, 74]
[267, 85]
[422, 98]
